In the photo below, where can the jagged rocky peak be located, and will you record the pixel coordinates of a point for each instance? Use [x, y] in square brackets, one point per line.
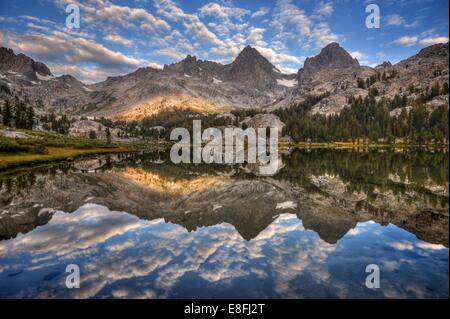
[70, 81]
[191, 66]
[189, 59]
[250, 57]
[249, 53]
[22, 64]
[68, 78]
[386, 65]
[333, 56]
[252, 69]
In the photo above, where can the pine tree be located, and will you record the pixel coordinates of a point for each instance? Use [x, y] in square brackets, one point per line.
[361, 83]
[30, 118]
[6, 113]
[108, 136]
[20, 113]
[445, 89]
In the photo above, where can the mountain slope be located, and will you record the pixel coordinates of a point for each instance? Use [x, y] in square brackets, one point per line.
[29, 80]
[203, 86]
[410, 77]
[250, 81]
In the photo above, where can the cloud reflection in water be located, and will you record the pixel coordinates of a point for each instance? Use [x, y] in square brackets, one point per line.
[122, 256]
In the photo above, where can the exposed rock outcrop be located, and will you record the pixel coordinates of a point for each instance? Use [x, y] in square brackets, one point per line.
[333, 56]
[20, 63]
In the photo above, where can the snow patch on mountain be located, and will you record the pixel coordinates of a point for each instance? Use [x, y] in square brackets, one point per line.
[286, 205]
[289, 83]
[44, 77]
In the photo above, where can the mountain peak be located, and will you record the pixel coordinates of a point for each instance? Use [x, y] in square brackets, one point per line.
[190, 58]
[252, 69]
[249, 52]
[332, 56]
[21, 63]
[332, 45]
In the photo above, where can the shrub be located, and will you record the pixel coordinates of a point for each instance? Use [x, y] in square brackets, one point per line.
[39, 149]
[11, 146]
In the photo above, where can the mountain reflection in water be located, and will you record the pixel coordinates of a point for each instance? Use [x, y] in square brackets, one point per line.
[140, 226]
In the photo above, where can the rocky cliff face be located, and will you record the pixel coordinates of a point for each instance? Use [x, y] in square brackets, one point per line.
[191, 66]
[333, 56]
[10, 62]
[27, 79]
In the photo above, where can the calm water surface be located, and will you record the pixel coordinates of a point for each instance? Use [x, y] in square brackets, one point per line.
[141, 227]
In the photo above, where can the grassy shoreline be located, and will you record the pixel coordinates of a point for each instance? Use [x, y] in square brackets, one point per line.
[46, 147]
[14, 160]
[344, 145]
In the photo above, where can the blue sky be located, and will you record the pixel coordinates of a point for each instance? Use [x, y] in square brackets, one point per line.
[117, 36]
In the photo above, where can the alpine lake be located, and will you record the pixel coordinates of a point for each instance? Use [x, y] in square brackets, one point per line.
[139, 226]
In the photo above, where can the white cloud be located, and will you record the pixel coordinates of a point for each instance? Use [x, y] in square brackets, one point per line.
[118, 39]
[170, 52]
[398, 20]
[89, 60]
[256, 37]
[430, 246]
[113, 17]
[31, 25]
[8, 19]
[324, 8]
[221, 29]
[191, 22]
[402, 245]
[288, 15]
[406, 41]
[323, 35]
[294, 25]
[286, 70]
[223, 12]
[277, 57]
[224, 16]
[260, 12]
[35, 19]
[85, 74]
[394, 19]
[357, 55]
[434, 40]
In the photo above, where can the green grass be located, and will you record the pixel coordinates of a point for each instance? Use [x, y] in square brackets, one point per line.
[43, 147]
[359, 145]
[10, 160]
